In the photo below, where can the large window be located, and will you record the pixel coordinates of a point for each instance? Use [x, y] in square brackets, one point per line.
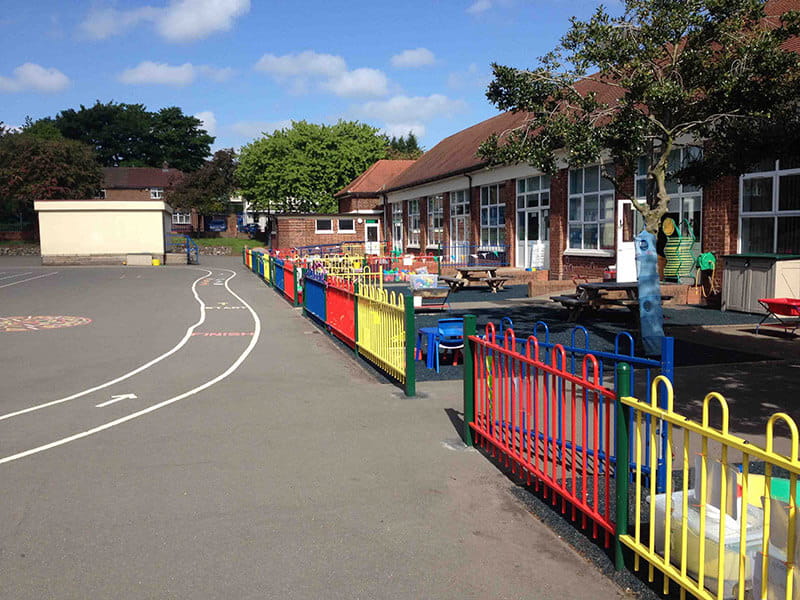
[493, 217]
[770, 209]
[459, 217]
[397, 225]
[181, 218]
[685, 201]
[435, 220]
[413, 222]
[591, 210]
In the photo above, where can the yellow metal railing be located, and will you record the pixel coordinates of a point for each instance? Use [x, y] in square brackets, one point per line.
[732, 534]
[381, 329]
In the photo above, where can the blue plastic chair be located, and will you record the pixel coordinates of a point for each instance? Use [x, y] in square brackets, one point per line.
[450, 337]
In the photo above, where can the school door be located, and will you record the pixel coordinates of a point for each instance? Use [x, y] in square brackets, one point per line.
[372, 245]
[533, 238]
[459, 239]
[628, 222]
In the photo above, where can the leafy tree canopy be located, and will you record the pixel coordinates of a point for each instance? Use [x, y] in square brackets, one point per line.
[665, 73]
[128, 135]
[209, 188]
[404, 147]
[34, 168]
[300, 168]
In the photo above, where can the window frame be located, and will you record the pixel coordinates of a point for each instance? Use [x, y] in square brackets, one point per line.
[492, 236]
[339, 228]
[413, 223]
[435, 214]
[156, 193]
[180, 217]
[605, 192]
[323, 231]
[774, 214]
[397, 225]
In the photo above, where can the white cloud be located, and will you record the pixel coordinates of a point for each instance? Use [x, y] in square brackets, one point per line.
[403, 129]
[328, 71]
[188, 20]
[151, 73]
[406, 109]
[208, 120]
[359, 82]
[179, 21]
[411, 59]
[307, 63]
[30, 77]
[255, 129]
[479, 6]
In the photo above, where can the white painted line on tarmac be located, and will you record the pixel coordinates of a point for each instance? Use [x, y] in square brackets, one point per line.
[155, 407]
[15, 275]
[28, 279]
[147, 365]
[115, 399]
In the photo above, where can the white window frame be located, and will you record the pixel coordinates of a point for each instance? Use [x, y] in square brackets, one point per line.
[774, 214]
[459, 208]
[583, 219]
[435, 221]
[156, 193]
[181, 218]
[340, 229]
[680, 195]
[413, 223]
[533, 193]
[101, 194]
[323, 231]
[397, 225]
[493, 228]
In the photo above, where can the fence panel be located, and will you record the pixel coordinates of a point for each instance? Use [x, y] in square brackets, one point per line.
[728, 527]
[288, 279]
[279, 275]
[314, 292]
[382, 329]
[478, 255]
[550, 425]
[341, 309]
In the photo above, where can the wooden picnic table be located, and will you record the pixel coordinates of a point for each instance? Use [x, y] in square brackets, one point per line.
[595, 295]
[486, 274]
[474, 273]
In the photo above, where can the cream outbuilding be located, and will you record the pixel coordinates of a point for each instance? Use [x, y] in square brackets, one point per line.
[103, 231]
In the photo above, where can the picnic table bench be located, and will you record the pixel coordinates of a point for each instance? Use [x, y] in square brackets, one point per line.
[495, 283]
[593, 296]
[455, 283]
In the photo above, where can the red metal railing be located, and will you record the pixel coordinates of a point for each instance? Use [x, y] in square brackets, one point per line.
[546, 422]
[340, 302]
[289, 288]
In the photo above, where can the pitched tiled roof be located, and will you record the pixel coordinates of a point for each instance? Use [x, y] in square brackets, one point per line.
[139, 177]
[457, 154]
[374, 179]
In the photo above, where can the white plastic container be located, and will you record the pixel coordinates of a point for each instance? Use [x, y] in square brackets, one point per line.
[712, 541]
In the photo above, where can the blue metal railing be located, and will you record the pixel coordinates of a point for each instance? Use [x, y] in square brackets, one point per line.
[183, 243]
[314, 290]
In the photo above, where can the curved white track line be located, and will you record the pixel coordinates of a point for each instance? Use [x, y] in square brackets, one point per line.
[15, 275]
[155, 407]
[147, 365]
[28, 279]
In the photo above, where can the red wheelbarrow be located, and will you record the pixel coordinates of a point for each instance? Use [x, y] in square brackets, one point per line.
[785, 310]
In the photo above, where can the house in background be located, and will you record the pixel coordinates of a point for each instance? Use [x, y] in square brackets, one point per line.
[359, 220]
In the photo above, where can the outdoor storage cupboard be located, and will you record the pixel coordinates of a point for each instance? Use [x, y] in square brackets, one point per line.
[748, 277]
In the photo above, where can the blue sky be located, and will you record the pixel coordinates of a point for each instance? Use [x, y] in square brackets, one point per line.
[250, 66]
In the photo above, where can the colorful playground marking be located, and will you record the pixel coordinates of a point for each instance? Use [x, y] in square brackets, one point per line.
[39, 322]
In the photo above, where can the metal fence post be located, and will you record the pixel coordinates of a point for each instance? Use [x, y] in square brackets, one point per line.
[355, 317]
[668, 370]
[411, 330]
[469, 379]
[297, 285]
[305, 295]
[623, 388]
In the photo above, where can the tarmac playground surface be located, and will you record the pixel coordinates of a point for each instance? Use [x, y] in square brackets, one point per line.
[182, 432]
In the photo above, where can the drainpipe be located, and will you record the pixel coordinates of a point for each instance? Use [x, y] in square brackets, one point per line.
[469, 197]
[387, 215]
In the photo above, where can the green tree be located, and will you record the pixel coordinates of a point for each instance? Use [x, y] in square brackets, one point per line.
[33, 168]
[131, 136]
[404, 147]
[209, 188]
[300, 168]
[43, 128]
[664, 74]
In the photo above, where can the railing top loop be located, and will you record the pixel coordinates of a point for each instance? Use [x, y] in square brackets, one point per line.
[590, 359]
[585, 332]
[532, 338]
[723, 404]
[489, 332]
[559, 352]
[546, 329]
[509, 339]
[780, 416]
[618, 337]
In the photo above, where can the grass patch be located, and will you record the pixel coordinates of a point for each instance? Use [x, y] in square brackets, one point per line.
[235, 244]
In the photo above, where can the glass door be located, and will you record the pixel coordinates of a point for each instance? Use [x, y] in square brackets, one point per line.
[533, 243]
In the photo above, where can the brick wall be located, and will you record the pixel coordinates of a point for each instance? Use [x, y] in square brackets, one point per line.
[127, 195]
[351, 204]
[300, 231]
[721, 220]
[558, 223]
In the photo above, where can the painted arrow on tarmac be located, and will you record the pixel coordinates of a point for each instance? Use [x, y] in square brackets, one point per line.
[117, 399]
